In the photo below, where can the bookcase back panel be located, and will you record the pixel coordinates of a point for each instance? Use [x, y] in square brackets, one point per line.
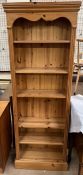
[24, 132]
[41, 108]
[59, 29]
[41, 82]
[42, 56]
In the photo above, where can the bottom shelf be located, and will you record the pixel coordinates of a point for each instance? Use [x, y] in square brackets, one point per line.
[41, 157]
[41, 165]
[37, 152]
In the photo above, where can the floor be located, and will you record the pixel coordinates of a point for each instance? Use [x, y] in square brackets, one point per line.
[72, 170]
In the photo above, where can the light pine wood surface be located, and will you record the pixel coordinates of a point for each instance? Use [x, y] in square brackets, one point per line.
[41, 41]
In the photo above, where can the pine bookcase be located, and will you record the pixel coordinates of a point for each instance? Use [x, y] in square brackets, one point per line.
[41, 42]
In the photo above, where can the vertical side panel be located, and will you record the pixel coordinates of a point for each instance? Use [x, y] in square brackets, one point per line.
[11, 48]
[69, 86]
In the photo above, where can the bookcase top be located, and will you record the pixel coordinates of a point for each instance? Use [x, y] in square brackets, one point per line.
[41, 6]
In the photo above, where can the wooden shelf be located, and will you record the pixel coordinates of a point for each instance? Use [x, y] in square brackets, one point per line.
[41, 140]
[37, 153]
[52, 165]
[41, 94]
[42, 42]
[41, 159]
[41, 71]
[30, 122]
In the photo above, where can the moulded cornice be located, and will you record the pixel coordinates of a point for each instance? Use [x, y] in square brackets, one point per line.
[42, 7]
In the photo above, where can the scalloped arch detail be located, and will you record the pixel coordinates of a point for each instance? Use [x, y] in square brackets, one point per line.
[42, 17]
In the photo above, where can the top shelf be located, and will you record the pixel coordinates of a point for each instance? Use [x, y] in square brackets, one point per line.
[42, 42]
